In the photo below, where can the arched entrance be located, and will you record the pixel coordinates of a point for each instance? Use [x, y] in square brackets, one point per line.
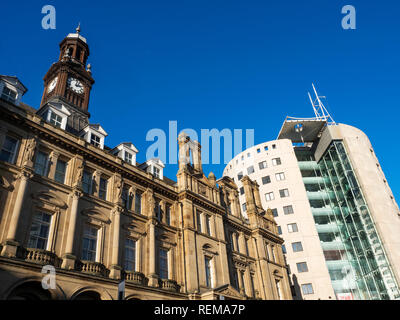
[30, 291]
[88, 295]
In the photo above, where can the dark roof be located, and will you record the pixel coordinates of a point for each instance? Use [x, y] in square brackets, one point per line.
[169, 181]
[27, 108]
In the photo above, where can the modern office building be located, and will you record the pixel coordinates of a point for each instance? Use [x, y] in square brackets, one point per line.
[92, 214]
[335, 210]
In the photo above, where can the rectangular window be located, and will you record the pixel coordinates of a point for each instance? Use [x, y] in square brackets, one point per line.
[276, 161]
[292, 227]
[208, 224]
[163, 264]
[241, 274]
[103, 188]
[168, 215]
[297, 246]
[240, 176]
[274, 146]
[55, 119]
[246, 242]
[258, 150]
[288, 210]
[9, 95]
[9, 150]
[199, 224]
[266, 180]
[95, 140]
[253, 288]
[126, 199]
[307, 288]
[130, 255]
[244, 207]
[89, 243]
[266, 148]
[284, 193]
[207, 263]
[61, 168]
[41, 163]
[39, 233]
[87, 182]
[275, 212]
[235, 279]
[138, 202]
[278, 289]
[279, 230]
[128, 157]
[280, 176]
[269, 196]
[156, 172]
[262, 165]
[302, 267]
[241, 191]
[283, 249]
[250, 170]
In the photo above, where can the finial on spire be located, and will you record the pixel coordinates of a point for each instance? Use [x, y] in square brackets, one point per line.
[78, 29]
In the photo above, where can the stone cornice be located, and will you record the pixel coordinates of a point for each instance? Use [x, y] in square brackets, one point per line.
[201, 201]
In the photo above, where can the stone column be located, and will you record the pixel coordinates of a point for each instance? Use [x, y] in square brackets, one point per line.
[11, 243]
[115, 272]
[153, 277]
[69, 257]
[53, 164]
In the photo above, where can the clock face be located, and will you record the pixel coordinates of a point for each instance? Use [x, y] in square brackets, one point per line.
[75, 85]
[52, 85]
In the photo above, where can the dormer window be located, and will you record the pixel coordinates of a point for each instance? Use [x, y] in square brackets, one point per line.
[127, 152]
[55, 113]
[95, 140]
[55, 119]
[9, 95]
[94, 134]
[11, 89]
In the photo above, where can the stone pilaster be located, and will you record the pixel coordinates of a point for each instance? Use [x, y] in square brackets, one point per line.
[115, 272]
[69, 258]
[153, 277]
[11, 244]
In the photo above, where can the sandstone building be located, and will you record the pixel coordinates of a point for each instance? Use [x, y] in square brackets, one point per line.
[99, 217]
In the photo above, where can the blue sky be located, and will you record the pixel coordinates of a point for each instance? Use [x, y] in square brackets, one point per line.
[220, 64]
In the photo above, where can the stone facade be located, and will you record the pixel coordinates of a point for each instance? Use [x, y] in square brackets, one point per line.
[97, 219]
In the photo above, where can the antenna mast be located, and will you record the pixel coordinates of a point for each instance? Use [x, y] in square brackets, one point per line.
[321, 113]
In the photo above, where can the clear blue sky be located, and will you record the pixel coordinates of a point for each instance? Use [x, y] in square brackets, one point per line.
[220, 64]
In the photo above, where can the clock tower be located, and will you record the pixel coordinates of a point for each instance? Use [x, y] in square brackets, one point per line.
[69, 81]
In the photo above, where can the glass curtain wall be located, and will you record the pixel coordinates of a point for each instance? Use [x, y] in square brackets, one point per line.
[354, 254]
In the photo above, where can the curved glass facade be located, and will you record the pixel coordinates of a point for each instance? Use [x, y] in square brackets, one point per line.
[353, 251]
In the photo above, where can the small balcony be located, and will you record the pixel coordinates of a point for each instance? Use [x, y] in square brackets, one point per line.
[169, 285]
[93, 268]
[135, 277]
[41, 257]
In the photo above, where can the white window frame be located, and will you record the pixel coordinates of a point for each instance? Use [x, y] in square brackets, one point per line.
[275, 161]
[280, 176]
[292, 228]
[269, 196]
